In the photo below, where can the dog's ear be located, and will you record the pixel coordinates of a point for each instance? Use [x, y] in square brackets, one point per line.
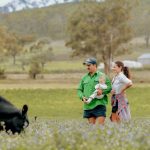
[24, 110]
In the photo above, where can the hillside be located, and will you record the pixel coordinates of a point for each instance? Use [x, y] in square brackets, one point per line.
[52, 21]
[43, 22]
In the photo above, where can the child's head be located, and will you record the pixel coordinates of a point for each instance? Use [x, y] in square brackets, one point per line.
[102, 79]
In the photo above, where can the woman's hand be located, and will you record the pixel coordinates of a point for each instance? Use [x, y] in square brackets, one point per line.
[125, 87]
[112, 92]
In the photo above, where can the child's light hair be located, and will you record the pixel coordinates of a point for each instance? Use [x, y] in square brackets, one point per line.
[102, 79]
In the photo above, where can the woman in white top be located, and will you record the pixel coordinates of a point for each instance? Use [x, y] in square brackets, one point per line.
[119, 102]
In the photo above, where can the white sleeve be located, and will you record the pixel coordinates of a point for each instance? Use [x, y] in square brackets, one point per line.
[97, 86]
[103, 86]
[124, 79]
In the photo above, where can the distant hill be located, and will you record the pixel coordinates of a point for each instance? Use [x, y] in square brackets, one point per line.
[52, 21]
[49, 21]
[16, 5]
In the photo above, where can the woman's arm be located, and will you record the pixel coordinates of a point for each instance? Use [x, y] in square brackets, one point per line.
[126, 87]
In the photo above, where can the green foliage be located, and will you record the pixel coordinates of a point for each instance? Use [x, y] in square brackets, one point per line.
[43, 57]
[41, 52]
[12, 44]
[3, 35]
[141, 19]
[99, 29]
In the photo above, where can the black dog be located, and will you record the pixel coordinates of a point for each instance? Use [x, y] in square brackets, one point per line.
[11, 118]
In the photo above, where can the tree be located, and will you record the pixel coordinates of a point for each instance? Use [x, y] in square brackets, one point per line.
[41, 52]
[141, 21]
[65, 1]
[8, 43]
[13, 46]
[99, 29]
[3, 36]
[145, 28]
[43, 57]
[35, 69]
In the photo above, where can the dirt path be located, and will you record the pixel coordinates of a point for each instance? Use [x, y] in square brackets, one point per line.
[52, 81]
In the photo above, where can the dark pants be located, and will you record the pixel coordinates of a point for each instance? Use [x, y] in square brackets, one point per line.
[115, 108]
[98, 111]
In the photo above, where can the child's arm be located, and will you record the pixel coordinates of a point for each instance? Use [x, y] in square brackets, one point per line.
[91, 97]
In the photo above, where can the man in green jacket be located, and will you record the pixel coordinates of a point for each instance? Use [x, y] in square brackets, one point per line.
[96, 109]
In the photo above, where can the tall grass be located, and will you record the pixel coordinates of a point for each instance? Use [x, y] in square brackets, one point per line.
[59, 124]
[78, 135]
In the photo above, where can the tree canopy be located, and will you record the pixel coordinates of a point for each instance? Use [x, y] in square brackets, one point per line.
[99, 28]
[12, 43]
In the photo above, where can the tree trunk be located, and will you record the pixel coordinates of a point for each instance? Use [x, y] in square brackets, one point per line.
[109, 61]
[106, 62]
[110, 54]
[147, 40]
[106, 68]
[43, 65]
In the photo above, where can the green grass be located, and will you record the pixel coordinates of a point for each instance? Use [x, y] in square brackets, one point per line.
[53, 66]
[64, 103]
[60, 66]
[51, 103]
[59, 124]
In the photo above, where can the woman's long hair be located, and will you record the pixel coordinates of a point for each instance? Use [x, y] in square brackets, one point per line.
[124, 69]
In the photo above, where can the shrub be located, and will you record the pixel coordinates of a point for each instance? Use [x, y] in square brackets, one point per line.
[35, 69]
[2, 73]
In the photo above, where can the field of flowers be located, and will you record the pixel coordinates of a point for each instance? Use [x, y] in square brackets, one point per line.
[78, 135]
[59, 124]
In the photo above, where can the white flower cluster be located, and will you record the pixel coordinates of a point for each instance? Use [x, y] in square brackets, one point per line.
[79, 135]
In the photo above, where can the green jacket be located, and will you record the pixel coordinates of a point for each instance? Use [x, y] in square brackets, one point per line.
[87, 87]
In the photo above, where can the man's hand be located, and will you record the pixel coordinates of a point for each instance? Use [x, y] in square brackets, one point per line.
[99, 92]
[84, 99]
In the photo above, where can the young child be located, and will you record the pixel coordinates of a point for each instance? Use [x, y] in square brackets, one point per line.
[100, 85]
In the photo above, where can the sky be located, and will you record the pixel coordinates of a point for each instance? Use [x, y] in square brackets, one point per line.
[3, 2]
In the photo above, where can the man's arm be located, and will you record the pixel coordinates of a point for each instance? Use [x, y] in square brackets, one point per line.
[80, 90]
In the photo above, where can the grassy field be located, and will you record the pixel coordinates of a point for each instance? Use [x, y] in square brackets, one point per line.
[52, 98]
[60, 126]
[62, 60]
[64, 103]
